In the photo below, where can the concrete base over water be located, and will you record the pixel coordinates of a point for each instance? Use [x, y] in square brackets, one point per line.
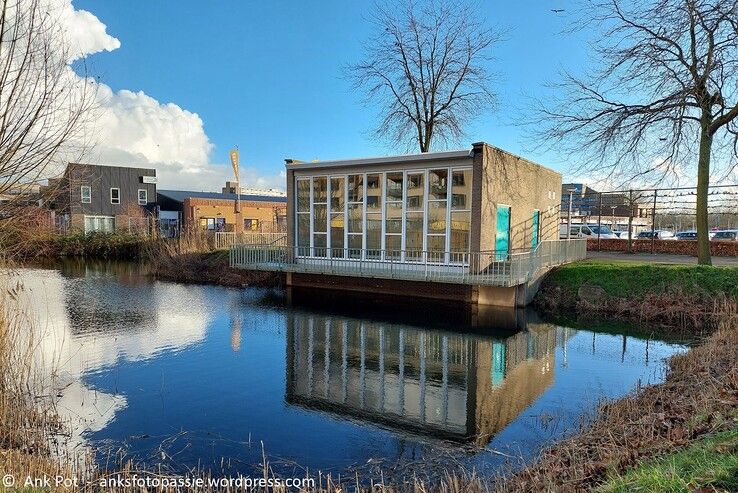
[495, 296]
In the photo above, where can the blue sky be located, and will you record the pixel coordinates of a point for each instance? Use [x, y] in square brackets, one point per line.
[268, 76]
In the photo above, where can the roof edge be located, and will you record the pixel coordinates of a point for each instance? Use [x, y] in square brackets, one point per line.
[293, 164]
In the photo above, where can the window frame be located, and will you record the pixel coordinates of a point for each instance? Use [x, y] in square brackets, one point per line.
[111, 196]
[82, 194]
[361, 204]
[146, 196]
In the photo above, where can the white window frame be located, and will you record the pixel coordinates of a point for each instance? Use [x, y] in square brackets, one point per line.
[145, 196]
[111, 196]
[82, 194]
[97, 220]
[383, 203]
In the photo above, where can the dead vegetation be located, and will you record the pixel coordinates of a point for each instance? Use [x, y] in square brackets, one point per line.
[699, 397]
[674, 311]
[31, 433]
[192, 259]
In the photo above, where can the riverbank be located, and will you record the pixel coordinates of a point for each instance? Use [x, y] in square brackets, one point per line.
[105, 246]
[687, 297]
[194, 267]
[696, 404]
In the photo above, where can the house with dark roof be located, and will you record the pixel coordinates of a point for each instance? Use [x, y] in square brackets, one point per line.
[228, 212]
[93, 197]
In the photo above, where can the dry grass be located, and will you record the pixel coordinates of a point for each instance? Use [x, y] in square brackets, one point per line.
[191, 259]
[699, 397]
[31, 434]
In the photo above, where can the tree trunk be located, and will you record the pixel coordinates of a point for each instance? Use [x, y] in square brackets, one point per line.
[703, 184]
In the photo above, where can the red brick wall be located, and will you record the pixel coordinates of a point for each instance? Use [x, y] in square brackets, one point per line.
[677, 247]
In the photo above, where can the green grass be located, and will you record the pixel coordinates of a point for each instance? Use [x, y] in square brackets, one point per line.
[709, 463]
[632, 279]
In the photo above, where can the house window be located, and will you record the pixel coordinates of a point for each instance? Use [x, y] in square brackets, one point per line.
[250, 224]
[115, 195]
[212, 223]
[143, 197]
[86, 193]
[104, 224]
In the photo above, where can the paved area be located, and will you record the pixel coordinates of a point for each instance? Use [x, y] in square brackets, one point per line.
[660, 258]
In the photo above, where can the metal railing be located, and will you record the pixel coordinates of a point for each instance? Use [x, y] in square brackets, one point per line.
[225, 240]
[477, 268]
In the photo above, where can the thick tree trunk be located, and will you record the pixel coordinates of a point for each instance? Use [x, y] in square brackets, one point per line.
[703, 184]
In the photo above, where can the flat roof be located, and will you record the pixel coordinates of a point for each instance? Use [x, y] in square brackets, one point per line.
[110, 166]
[403, 158]
[181, 195]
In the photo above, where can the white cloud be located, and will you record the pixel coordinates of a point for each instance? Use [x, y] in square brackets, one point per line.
[85, 34]
[133, 129]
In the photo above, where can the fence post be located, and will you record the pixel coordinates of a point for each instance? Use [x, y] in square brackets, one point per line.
[653, 221]
[599, 223]
[630, 222]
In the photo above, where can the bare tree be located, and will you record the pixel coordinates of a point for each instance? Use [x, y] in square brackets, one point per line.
[43, 103]
[425, 70]
[662, 98]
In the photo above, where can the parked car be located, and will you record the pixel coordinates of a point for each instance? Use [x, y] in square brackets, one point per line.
[587, 231]
[691, 235]
[574, 231]
[725, 235]
[686, 235]
[659, 234]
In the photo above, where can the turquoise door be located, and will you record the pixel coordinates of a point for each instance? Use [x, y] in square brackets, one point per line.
[535, 229]
[502, 238]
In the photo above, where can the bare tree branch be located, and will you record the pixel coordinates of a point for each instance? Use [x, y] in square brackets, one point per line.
[662, 96]
[43, 103]
[425, 71]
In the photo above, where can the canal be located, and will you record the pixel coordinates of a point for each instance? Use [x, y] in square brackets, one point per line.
[180, 376]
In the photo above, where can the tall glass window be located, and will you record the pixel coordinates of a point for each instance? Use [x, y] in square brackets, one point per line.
[374, 216]
[320, 216]
[414, 206]
[393, 215]
[460, 210]
[303, 216]
[437, 214]
[355, 215]
[338, 216]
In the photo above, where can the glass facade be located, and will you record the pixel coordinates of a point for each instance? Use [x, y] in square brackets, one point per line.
[411, 215]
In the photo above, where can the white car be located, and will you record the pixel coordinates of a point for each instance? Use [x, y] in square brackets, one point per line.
[659, 234]
[587, 231]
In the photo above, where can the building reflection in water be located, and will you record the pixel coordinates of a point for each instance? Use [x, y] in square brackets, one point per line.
[445, 385]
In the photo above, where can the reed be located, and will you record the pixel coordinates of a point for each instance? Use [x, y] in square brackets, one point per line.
[31, 432]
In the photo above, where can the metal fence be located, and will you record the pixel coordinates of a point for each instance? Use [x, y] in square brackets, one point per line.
[652, 215]
[482, 268]
[225, 240]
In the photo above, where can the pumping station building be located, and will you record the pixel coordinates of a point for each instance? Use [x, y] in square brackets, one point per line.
[477, 225]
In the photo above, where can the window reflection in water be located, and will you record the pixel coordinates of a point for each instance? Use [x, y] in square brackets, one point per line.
[451, 386]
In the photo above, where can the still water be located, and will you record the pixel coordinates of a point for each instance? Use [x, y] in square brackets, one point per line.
[202, 376]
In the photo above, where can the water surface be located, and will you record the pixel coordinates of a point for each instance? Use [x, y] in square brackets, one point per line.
[209, 377]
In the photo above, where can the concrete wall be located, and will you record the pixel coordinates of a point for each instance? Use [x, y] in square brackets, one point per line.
[503, 178]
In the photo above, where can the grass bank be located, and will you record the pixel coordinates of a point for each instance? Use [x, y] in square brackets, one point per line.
[684, 296]
[710, 463]
[639, 439]
[117, 246]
